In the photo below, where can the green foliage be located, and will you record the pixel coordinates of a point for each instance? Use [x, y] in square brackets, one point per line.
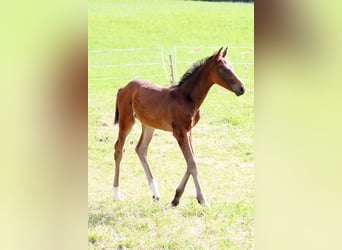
[223, 139]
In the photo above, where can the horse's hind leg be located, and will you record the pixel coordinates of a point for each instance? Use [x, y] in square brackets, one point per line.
[141, 149]
[125, 126]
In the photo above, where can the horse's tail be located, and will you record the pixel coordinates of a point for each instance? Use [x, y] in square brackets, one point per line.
[116, 116]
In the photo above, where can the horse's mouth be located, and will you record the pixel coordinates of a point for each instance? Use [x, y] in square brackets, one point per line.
[241, 91]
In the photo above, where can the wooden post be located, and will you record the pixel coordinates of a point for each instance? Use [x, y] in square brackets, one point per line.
[171, 67]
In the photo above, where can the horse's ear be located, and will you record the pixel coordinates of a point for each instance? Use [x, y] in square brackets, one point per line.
[225, 52]
[218, 54]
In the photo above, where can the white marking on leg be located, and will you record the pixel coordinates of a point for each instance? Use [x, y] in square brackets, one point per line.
[154, 187]
[116, 193]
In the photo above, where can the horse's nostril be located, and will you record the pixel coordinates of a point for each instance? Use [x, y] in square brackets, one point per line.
[242, 89]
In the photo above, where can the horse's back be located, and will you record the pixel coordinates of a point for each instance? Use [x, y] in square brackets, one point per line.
[143, 85]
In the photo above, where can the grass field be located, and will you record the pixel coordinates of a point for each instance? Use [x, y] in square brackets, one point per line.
[223, 139]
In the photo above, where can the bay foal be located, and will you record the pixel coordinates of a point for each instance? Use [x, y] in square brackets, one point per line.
[174, 109]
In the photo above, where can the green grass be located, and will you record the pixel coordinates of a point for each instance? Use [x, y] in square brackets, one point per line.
[223, 139]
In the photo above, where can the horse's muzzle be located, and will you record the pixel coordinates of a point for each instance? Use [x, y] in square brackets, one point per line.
[240, 91]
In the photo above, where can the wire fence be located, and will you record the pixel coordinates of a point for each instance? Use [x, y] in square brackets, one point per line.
[155, 63]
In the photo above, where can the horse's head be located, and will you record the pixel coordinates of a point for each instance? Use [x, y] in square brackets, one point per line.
[224, 75]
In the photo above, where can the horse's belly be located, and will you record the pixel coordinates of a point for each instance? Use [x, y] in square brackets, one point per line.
[154, 121]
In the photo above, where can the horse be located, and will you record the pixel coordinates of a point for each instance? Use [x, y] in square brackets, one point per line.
[175, 109]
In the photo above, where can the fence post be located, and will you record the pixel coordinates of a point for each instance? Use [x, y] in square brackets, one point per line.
[172, 73]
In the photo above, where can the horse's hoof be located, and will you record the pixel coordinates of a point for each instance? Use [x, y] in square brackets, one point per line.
[175, 203]
[116, 197]
[155, 198]
[203, 203]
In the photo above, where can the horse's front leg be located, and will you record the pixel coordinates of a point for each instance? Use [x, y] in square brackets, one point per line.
[184, 141]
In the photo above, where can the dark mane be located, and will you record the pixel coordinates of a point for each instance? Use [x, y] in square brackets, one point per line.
[193, 69]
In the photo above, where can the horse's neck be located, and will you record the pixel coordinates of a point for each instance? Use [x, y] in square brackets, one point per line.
[197, 88]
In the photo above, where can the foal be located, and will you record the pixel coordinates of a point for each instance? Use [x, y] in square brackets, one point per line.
[174, 109]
